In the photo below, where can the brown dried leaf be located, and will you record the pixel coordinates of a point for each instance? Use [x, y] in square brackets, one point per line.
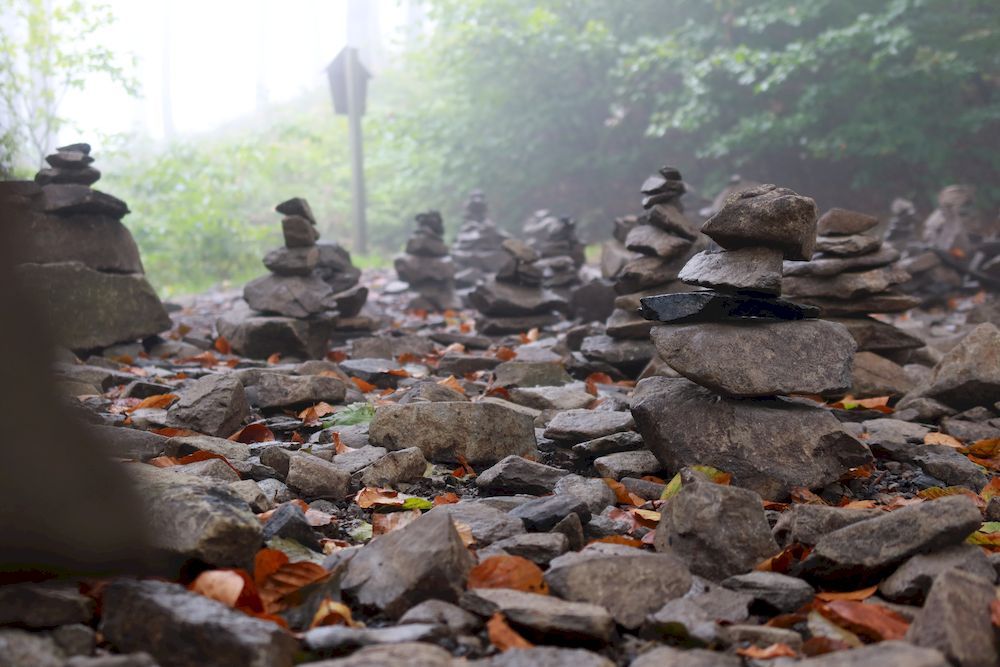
[383, 523]
[503, 636]
[857, 596]
[508, 572]
[943, 439]
[256, 432]
[870, 621]
[767, 652]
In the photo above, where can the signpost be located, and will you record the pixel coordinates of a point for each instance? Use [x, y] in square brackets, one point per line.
[349, 86]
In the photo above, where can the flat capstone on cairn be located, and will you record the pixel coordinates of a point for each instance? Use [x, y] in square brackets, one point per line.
[477, 250]
[514, 301]
[427, 267]
[663, 239]
[852, 274]
[744, 352]
[77, 258]
[312, 291]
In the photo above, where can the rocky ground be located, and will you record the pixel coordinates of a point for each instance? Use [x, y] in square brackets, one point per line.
[429, 496]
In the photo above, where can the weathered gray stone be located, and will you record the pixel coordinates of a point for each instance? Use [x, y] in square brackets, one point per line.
[779, 593]
[530, 374]
[666, 656]
[404, 465]
[760, 358]
[545, 656]
[259, 336]
[883, 653]
[292, 261]
[212, 469]
[278, 390]
[182, 446]
[87, 309]
[214, 405]
[438, 612]
[180, 628]
[863, 551]
[291, 296]
[73, 198]
[313, 477]
[628, 464]
[299, 232]
[912, 580]
[843, 222]
[420, 561]
[874, 375]
[580, 425]
[770, 446]
[101, 243]
[719, 531]
[832, 266]
[488, 524]
[755, 269]
[480, 432]
[44, 605]
[766, 216]
[515, 474]
[188, 517]
[20, 647]
[807, 524]
[404, 654]
[129, 443]
[629, 583]
[542, 615]
[572, 396]
[539, 548]
[685, 620]
[625, 441]
[651, 240]
[845, 285]
[956, 620]
[847, 246]
[594, 492]
[969, 374]
[542, 514]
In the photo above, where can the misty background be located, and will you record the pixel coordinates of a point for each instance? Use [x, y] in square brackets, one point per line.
[205, 114]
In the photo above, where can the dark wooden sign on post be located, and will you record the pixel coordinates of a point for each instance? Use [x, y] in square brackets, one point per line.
[349, 87]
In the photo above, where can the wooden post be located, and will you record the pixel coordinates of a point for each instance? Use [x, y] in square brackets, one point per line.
[354, 111]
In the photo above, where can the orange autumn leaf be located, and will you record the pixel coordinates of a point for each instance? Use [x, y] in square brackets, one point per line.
[622, 495]
[804, 496]
[499, 392]
[619, 539]
[446, 498]
[399, 372]
[783, 561]
[502, 636]
[465, 327]
[508, 572]
[943, 439]
[452, 384]
[206, 358]
[297, 437]
[786, 621]
[273, 359]
[265, 563]
[233, 588]
[363, 387]
[857, 596]
[286, 580]
[463, 469]
[336, 356]
[159, 402]
[595, 379]
[991, 490]
[169, 432]
[256, 432]
[388, 522]
[995, 612]
[407, 358]
[504, 353]
[935, 492]
[987, 449]
[314, 412]
[869, 621]
[195, 457]
[331, 612]
[222, 345]
[767, 652]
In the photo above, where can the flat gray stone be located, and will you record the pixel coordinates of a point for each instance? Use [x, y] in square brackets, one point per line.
[969, 374]
[638, 463]
[845, 285]
[580, 425]
[844, 222]
[760, 358]
[542, 615]
[515, 474]
[883, 653]
[832, 266]
[780, 593]
[755, 269]
[488, 524]
[912, 580]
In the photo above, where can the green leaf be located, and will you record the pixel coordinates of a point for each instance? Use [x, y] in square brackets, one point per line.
[351, 415]
[416, 503]
[672, 488]
[362, 532]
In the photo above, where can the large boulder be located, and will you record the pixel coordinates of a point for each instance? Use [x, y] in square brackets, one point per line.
[86, 309]
[479, 432]
[754, 358]
[213, 405]
[291, 296]
[770, 446]
[260, 336]
[969, 375]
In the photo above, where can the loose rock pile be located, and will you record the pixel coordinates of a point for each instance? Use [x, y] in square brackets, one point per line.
[738, 340]
[853, 273]
[79, 259]
[663, 240]
[477, 250]
[427, 267]
[561, 253]
[515, 301]
[312, 289]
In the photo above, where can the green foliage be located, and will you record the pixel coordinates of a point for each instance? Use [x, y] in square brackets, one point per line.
[355, 413]
[47, 48]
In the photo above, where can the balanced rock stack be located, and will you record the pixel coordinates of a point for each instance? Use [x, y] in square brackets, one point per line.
[477, 250]
[514, 301]
[854, 273]
[311, 288]
[78, 258]
[561, 252]
[740, 348]
[427, 267]
[663, 239]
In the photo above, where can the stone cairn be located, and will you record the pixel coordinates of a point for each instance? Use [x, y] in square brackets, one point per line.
[77, 257]
[854, 273]
[427, 267]
[739, 347]
[561, 252]
[515, 301]
[312, 289]
[477, 250]
[662, 240]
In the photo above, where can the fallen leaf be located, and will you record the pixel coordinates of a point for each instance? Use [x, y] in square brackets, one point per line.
[233, 588]
[256, 432]
[767, 652]
[331, 612]
[508, 572]
[206, 358]
[265, 563]
[314, 412]
[499, 392]
[786, 621]
[991, 490]
[858, 595]
[822, 645]
[159, 402]
[363, 387]
[624, 540]
[648, 518]
[452, 384]
[195, 457]
[783, 561]
[388, 522]
[672, 488]
[530, 337]
[943, 439]
[502, 636]
[804, 496]
[595, 379]
[995, 612]
[273, 359]
[370, 496]
[988, 536]
[623, 495]
[169, 432]
[861, 472]
[869, 621]
[446, 498]
[406, 358]
[465, 533]
[935, 492]
[287, 580]
[504, 353]
[879, 404]
[222, 345]
[463, 469]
